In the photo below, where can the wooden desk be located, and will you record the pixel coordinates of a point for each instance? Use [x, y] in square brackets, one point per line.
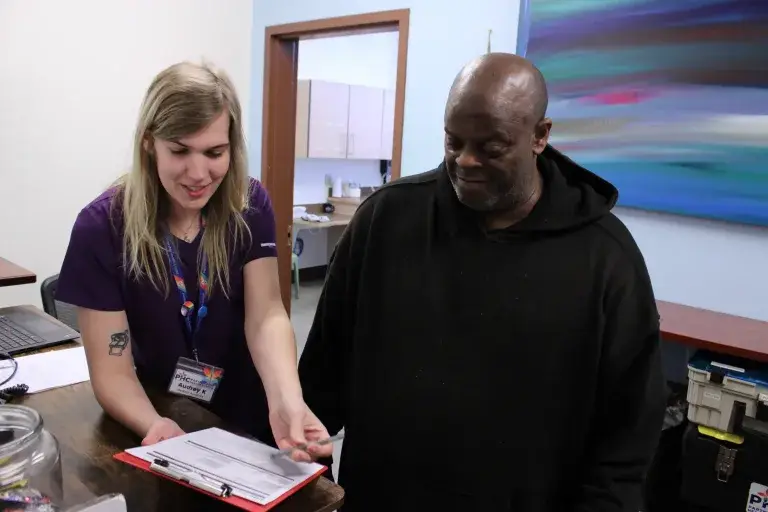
[88, 439]
[710, 330]
[345, 208]
[336, 219]
[12, 274]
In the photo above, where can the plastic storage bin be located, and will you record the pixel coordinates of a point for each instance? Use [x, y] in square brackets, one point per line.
[716, 382]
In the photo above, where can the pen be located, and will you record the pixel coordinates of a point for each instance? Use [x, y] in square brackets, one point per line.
[303, 446]
[164, 467]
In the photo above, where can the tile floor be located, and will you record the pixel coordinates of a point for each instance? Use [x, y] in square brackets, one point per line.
[303, 310]
[302, 315]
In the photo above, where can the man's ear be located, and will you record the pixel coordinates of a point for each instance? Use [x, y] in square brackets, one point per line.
[541, 135]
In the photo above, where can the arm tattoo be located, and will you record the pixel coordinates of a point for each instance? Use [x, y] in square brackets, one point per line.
[118, 343]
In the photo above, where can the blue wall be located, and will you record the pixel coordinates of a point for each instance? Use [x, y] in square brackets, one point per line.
[700, 263]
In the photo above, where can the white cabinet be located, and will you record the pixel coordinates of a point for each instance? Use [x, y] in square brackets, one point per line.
[302, 118]
[388, 125]
[335, 120]
[328, 117]
[366, 106]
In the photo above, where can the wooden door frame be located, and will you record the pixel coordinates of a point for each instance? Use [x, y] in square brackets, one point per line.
[281, 50]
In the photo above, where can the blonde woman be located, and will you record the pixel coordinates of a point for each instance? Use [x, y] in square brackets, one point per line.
[174, 273]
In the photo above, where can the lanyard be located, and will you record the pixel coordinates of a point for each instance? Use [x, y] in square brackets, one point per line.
[188, 306]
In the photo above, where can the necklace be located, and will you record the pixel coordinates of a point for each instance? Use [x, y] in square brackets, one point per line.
[187, 236]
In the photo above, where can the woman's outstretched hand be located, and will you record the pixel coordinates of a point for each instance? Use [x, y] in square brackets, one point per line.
[293, 424]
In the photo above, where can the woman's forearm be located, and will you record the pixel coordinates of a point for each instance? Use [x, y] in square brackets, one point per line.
[124, 399]
[273, 348]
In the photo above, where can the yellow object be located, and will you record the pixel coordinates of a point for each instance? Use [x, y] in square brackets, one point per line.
[14, 485]
[720, 435]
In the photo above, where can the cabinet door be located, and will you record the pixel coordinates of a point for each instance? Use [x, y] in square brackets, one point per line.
[328, 113]
[366, 106]
[302, 118]
[388, 125]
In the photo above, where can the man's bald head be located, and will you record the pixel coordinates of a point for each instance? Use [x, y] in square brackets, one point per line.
[505, 81]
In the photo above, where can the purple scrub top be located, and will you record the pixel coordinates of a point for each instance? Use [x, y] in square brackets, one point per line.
[92, 277]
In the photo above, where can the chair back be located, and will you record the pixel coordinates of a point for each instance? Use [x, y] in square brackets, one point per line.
[66, 313]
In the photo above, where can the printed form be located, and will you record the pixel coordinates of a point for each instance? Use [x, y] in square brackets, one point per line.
[246, 466]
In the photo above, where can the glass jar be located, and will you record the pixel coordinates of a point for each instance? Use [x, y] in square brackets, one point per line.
[30, 462]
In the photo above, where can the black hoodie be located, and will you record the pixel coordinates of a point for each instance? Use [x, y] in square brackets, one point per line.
[513, 370]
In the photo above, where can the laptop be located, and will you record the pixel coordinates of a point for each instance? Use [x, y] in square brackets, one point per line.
[22, 330]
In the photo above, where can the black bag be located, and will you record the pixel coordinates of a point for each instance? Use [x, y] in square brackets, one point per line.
[727, 477]
[665, 474]
[662, 485]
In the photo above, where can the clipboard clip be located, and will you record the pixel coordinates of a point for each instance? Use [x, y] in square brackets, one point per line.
[198, 481]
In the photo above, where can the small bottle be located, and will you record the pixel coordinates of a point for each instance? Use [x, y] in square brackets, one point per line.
[337, 188]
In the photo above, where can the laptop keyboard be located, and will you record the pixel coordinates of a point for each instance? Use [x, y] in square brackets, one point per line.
[14, 339]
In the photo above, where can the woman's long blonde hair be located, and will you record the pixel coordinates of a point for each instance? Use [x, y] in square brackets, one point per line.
[182, 100]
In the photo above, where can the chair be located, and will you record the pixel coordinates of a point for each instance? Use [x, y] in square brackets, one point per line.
[295, 261]
[295, 270]
[66, 313]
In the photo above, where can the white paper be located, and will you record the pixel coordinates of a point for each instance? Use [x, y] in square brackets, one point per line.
[222, 457]
[49, 370]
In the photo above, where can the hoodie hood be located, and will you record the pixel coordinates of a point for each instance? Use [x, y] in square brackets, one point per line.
[572, 197]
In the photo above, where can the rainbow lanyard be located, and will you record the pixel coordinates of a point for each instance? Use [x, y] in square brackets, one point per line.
[188, 306]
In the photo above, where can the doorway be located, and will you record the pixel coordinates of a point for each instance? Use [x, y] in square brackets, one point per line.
[279, 111]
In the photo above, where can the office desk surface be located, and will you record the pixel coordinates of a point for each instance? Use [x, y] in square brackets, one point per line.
[336, 219]
[89, 439]
[710, 330]
[12, 274]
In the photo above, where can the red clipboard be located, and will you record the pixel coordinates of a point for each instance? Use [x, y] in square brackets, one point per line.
[232, 500]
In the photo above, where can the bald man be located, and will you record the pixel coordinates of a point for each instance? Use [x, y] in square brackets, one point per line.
[487, 335]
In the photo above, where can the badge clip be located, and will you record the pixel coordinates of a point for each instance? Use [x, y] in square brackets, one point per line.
[187, 308]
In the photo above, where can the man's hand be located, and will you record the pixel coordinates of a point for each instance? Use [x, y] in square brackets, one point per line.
[161, 430]
[294, 424]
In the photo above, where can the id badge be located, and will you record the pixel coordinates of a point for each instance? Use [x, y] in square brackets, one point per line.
[195, 380]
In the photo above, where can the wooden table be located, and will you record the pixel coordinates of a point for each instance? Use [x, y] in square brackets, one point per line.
[89, 439]
[710, 330]
[12, 274]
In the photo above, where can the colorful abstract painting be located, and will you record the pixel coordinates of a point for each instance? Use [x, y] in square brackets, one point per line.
[666, 99]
